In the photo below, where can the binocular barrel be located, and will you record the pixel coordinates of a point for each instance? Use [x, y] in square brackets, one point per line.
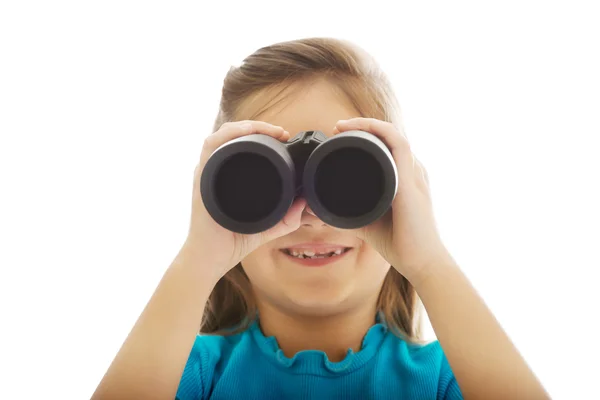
[348, 180]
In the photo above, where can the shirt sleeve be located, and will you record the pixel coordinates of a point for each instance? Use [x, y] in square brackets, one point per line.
[452, 391]
[192, 380]
[448, 388]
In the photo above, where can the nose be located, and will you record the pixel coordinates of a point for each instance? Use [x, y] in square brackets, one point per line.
[309, 219]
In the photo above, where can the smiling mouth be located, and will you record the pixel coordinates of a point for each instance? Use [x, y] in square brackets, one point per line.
[314, 255]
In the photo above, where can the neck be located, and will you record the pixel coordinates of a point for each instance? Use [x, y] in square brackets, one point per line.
[332, 334]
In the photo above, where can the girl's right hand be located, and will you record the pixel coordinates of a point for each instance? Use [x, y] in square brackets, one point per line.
[215, 246]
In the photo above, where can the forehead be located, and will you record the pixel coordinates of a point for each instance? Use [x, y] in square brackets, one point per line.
[300, 107]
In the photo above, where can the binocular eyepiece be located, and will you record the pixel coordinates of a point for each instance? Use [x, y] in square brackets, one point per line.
[348, 180]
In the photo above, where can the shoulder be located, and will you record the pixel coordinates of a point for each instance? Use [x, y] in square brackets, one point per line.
[208, 352]
[413, 354]
[426, 360]
[216, 346]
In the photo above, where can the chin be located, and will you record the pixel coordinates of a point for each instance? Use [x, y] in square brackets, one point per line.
[317, 300]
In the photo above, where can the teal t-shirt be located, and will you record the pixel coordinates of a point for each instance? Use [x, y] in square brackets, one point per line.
[249, 365]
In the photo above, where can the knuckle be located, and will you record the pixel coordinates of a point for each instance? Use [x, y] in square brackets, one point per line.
[232, 124]
[383, 124]
[226, 125]
[266, 124]
[244, 122]
[389, 125]
[404, 147]
[404, 144]
[374, 124]
[209, 141]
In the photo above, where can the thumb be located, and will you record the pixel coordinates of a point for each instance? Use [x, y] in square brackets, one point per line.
[289, 223]
[368, 233]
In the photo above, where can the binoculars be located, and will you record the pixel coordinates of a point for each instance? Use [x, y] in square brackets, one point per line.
[349, 180]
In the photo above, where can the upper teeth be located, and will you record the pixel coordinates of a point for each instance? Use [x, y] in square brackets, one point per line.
[314, 253]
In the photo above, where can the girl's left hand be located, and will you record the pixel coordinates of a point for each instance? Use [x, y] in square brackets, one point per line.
[407, 236]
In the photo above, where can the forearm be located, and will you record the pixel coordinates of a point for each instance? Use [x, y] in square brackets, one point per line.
[150, 362]
[485, 362]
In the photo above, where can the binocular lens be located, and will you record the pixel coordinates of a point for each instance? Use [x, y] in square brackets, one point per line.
[247, 184]
[248, 187]
[349, 182]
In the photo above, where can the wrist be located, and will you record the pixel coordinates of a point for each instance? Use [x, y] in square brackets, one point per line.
[199, 264]
[434, 271]
[419, 273]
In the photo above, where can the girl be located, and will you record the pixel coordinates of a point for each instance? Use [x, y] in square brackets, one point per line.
[277, 327]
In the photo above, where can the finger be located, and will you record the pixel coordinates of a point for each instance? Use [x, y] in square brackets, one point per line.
[233, 130]
[385, 131]
[421, 176]
[289, 223]
[421, 171]
[367, 232]
[391, 136]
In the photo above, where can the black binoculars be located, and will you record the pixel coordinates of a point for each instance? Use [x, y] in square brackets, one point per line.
[349, 180]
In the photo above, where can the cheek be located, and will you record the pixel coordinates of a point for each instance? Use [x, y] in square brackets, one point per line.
[259, 265]
[371, 265]
[368, 258]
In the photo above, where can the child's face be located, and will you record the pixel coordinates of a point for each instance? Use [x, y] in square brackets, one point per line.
[351, 281]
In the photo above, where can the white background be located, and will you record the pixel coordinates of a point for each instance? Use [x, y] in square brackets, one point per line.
[104, 106]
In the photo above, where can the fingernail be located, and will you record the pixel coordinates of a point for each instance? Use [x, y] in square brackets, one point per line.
[342, 121]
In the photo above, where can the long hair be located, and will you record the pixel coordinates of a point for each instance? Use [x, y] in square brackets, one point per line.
[231, 306]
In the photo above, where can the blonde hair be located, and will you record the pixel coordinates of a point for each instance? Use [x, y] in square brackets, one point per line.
[231, 306]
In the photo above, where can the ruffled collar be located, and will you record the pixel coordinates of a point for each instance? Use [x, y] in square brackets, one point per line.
[316, 362]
